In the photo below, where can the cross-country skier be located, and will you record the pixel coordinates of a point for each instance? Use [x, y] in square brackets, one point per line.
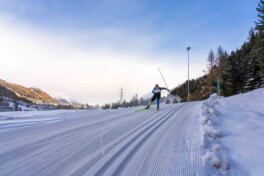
[156, 95]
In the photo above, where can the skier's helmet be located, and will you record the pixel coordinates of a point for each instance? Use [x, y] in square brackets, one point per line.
[156, 85]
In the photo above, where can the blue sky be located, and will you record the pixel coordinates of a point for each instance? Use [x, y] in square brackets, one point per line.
[149, 33]
[201, 22]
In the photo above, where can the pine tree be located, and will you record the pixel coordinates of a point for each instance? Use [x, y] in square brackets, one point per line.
[239, 65]
[252, 76]
[211, 79]
[260, 42]
[211, 59]
[224, 72]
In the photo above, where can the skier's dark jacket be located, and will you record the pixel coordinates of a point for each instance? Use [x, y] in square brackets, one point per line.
[157, 92]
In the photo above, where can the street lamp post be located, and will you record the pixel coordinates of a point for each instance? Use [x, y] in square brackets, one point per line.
[188, 49]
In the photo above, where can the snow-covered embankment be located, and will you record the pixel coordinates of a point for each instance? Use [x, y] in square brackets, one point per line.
[233, 134]
[214, 153]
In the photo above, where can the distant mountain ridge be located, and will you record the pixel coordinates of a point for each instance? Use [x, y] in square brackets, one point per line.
[67, 100]
[18, 92]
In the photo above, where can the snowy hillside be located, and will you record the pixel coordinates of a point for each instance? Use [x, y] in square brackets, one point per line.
[18, 92]
[147, 96]
[67, 100]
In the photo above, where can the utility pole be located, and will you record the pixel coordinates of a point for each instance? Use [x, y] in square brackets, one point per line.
[188, 49]
[121, 95]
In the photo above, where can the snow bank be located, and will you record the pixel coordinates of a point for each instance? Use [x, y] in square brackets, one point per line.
[233, 134]
[216, 162]
[242, 128]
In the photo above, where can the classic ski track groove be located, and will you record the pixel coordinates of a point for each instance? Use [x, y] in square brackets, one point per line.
[125, 162]
[158, 135]
[85, 166]
[137, 139]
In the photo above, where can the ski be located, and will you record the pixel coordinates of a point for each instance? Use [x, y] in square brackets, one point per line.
[143, 109]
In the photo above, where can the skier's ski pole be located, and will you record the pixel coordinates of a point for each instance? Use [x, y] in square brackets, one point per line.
[163, 78]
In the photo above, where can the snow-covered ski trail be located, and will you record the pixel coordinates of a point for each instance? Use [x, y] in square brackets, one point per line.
[116, 143]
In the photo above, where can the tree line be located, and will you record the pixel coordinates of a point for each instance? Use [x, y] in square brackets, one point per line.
[135, 101]
[238, 72]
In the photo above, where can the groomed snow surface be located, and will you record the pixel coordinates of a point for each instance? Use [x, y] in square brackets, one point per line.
[18, 119]
[215, 137]
[113, 142]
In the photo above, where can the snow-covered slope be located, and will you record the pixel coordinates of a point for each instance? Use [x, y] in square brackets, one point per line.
[67, 100]
[233, 130]
[172, 97]
[111, 142]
